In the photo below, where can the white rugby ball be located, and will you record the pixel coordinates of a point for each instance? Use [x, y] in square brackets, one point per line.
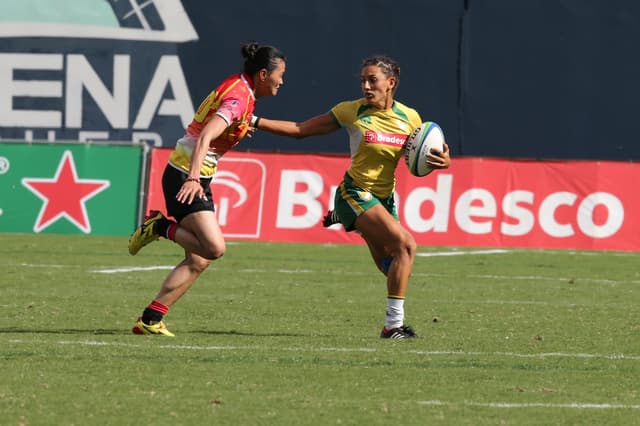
[426, 136]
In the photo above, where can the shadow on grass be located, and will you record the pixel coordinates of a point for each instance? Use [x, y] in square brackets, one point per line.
[13, 330]
[241, 333]
[100, 331]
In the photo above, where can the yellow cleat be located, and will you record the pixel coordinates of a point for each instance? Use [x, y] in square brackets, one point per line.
[155, 328]
[145, 233]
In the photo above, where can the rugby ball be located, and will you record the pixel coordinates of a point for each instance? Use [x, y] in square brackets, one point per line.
[426, 136]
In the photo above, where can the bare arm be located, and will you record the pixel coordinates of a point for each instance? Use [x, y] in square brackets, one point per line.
[192, 188]
[318, 125]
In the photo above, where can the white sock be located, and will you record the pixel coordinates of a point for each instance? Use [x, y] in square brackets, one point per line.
[395, 313]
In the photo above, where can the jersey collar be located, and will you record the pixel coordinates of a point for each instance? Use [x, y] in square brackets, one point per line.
[247, 81]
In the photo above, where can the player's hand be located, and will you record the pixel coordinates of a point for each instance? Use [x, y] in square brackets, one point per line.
[437, 159]
[189, 191]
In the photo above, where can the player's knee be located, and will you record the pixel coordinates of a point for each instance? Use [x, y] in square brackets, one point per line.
[409, 245]
[199, 264]
[405, 247]
[214, 251]
[411, 248]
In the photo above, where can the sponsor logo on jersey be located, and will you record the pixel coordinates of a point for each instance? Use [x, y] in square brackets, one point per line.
[391, 139]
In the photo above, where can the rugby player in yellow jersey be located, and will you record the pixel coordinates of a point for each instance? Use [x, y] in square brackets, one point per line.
[378, 127]
[222, 119]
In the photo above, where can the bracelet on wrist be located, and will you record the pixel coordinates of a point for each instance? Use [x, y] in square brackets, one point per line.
[192, 179]
[255, 125]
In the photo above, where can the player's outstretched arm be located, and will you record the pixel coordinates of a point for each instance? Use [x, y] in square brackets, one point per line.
[318, 125]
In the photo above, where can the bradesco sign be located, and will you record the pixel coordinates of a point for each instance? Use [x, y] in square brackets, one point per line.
[478, 202]
[527, 204]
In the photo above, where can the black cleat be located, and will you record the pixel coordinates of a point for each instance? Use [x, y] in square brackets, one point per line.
[331, 218]
[402, 332]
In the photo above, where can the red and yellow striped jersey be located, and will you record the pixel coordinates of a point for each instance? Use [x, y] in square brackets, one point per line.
[233, 100]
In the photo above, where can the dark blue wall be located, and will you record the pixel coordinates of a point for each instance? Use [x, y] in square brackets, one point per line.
[325, 42]
[543, 79]
[555, 79]
[551, 79]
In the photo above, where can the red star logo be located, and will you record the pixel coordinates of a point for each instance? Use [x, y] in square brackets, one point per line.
[64, 195]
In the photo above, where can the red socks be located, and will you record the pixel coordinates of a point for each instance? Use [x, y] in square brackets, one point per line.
[171, 231]
[157, 306]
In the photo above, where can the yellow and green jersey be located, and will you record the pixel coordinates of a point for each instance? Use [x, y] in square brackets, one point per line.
[376, 140]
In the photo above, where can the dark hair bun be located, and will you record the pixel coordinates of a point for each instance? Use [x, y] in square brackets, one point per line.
[249, 50]
[257, 57]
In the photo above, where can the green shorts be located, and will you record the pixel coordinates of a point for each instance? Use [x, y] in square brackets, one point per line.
[351, 201]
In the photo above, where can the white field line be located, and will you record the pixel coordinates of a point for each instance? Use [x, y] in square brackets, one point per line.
[116, 270]
[463, 253]
[507, 405]
[512, 405]
[576, 405]
[133, 269]
[534, 277]
[344, 273]
[543, 251]
[41, 265]
[542, 355]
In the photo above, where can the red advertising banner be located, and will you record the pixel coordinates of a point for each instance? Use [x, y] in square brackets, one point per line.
[477, 202]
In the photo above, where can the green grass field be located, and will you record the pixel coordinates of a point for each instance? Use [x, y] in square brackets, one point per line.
[287, 334]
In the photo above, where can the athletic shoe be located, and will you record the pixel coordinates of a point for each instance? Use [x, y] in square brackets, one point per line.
[331, 218]
[145, 233]
[153, 328]
[402, 332]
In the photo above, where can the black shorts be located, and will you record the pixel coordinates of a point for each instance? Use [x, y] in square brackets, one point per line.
[172, 181]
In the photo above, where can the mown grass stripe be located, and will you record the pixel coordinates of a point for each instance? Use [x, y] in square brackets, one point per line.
[576, 405]
[338, 349]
